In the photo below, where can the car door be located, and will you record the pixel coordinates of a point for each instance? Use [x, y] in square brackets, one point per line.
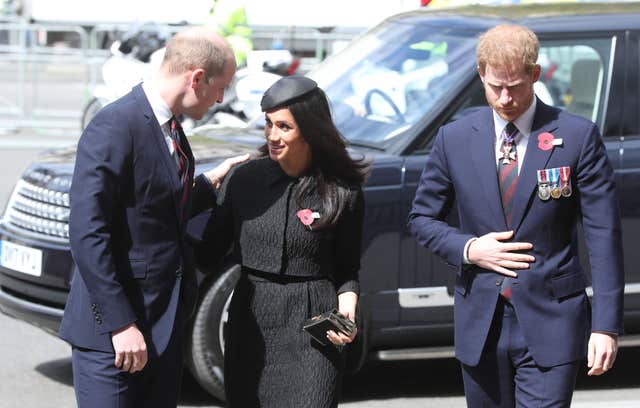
[629, 184]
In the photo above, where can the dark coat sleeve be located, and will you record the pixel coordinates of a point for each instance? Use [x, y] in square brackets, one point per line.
[431, 205]
[348, 245]
[216, 235]
[102, 170]
[203, 195]
[599, 207]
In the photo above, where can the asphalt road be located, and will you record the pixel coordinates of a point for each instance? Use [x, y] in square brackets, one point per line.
[35, 367]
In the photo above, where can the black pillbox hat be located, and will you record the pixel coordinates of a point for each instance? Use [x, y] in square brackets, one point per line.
[286, 89]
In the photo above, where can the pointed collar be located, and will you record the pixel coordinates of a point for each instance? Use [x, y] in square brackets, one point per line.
[524, 122]
[159, 107]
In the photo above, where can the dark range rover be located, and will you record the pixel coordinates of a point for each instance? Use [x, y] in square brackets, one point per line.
[391, 89]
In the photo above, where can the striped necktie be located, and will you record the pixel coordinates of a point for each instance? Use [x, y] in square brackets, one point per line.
[177, 136]
[508, 169]
[508, 180]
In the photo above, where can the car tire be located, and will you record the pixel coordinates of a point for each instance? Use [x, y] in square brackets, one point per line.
[205, 346]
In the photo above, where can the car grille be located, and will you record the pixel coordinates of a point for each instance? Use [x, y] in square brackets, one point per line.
[38, 212]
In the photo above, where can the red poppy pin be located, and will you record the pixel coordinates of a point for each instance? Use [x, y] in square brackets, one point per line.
[307, 217]
[546, 141]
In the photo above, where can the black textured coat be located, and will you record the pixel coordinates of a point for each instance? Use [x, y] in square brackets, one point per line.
[291, 273]
[256, 217]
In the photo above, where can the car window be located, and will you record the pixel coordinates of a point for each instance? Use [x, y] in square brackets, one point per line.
[387, 81]
[575, 77]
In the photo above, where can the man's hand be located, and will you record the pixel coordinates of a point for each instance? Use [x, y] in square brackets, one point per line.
[217, 175]
[130, 348]
[603, 348]
[490, 253]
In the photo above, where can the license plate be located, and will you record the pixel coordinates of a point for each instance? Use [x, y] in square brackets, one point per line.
[21, 258]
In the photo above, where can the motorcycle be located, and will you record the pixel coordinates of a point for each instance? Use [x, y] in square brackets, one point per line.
[139, 55]
[133, 59]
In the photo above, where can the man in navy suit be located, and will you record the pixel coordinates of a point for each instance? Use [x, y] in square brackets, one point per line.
[133, 191]
[522, 176]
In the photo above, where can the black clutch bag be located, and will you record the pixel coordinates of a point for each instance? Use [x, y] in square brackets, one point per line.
[318, 326]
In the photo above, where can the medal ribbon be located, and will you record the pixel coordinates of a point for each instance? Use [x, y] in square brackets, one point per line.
[555, 173]
[565, 172]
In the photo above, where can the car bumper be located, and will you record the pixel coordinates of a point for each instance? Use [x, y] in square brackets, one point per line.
[46, 317]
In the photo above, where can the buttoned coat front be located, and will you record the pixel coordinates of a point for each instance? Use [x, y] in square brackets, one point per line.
[549, 298]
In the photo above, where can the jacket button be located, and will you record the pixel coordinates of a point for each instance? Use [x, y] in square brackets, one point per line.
[179, 273]
[498, 282]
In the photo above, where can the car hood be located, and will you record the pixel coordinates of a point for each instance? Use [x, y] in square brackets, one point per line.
[210, 146]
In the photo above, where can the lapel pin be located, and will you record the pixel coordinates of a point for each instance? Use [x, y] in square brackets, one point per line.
[307, 217]
[546, 141]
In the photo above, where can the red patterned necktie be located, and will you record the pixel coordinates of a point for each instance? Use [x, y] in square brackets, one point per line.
[508, 180]
[508, 170]
[177, 137]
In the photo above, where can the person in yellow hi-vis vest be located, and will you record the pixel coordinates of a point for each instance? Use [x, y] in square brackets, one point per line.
[230, 20]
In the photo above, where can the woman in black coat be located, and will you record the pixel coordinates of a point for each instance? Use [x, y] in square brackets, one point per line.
[293, 219]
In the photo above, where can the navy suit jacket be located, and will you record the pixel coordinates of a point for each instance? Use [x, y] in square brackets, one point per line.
[126, 233]
[549, 298]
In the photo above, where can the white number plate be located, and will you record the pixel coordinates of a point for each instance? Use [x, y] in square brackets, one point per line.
[21, 258]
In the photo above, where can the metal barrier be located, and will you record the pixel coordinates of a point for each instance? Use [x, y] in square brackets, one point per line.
[44, 82]
[48, 71]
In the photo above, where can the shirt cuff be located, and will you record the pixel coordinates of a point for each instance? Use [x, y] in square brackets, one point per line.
[465, 252]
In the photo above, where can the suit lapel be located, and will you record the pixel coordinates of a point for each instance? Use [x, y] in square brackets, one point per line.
[534, 160]
[484, 160]
[161, 146]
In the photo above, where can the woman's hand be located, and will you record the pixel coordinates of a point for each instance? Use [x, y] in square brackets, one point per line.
[216, 176]
[347, 303]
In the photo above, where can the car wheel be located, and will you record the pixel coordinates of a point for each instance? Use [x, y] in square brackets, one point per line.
[205, 348]
[94, 105]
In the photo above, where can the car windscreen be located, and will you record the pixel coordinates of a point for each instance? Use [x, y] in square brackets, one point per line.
[393, 76]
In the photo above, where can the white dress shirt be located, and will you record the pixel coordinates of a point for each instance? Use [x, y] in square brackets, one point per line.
[524, 123]
[162, 113]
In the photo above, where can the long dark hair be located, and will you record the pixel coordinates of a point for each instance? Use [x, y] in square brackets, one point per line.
[333, 173]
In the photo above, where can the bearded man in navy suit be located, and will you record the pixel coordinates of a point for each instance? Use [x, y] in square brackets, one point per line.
[133, 191]
[523, 175]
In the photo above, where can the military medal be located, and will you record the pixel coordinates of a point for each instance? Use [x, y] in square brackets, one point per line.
[508, 153]
[565, 173]
[544, 192]
[555, 189]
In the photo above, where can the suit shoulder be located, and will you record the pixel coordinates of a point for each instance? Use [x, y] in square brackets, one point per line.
[571, 119]
[466, 121]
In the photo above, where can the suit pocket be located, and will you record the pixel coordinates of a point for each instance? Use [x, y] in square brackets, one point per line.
[567, 285]
[138, 269]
